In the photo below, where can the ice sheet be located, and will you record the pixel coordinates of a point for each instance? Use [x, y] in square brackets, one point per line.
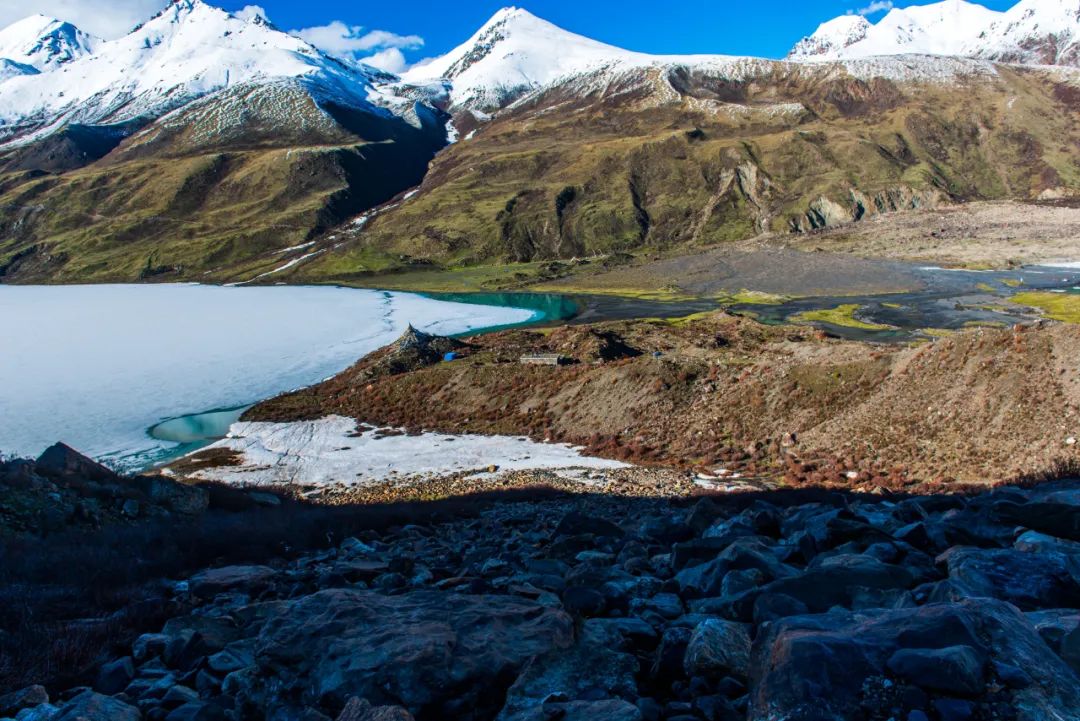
[96, 366]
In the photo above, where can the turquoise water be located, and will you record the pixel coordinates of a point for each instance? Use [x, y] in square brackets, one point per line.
[195, 431]
[547, 306]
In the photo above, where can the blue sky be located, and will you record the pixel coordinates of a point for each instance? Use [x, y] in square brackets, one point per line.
[763, 28]
[403, 32]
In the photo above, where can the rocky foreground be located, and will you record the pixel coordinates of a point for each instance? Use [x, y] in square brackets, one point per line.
[788, 605]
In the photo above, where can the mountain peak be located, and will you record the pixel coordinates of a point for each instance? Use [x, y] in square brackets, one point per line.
[1032, 31]
[941, 28]
[43, 42]
[832, 37]
[513, 53]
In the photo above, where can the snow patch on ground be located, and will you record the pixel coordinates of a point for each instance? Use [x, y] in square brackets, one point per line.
[96, 366]
[1061, 264]
[330, 451]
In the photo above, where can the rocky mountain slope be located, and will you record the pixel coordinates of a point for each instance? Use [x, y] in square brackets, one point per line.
[281, 160]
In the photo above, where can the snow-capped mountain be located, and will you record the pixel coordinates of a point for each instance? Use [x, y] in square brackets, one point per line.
[188, 51]
[1032, 31]
[943, 28]
[12, 69]
[514, 52]
[44, 43]
[833, 37]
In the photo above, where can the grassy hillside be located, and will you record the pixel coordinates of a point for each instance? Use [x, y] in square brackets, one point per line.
[655, 160]
[639, 167]
[212, 193]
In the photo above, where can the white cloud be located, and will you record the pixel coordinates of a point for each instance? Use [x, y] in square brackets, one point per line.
[250, 12]
[378, 48]
[105, 18]
[873, 8]
[391, 60]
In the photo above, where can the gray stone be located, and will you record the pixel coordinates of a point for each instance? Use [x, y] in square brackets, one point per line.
[197, 711]
[149, 645]
[208, 584]
[952, 670]
[607, 710]
[1029, 581]
[358, 709]
[179, 497]
[951, 709]
[91, 706]
[718, 648]
[12, 703]
[827, 658]
[592, 668]
[413, 649]
[114, 677]
[44, 712]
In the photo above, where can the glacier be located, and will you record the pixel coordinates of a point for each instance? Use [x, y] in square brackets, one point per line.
[97, 366]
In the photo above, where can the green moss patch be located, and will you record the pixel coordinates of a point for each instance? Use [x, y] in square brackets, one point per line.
[842, 315]
[1059, 306]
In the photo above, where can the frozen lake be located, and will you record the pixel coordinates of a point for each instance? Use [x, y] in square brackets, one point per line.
[97, 366]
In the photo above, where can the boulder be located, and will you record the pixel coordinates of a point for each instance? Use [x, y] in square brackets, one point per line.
[63, 461]
[114, 677]
[608, 710]
[1054, 516]
[1070, 649]
[718, 648]
[954, 709]
[817, 666]
[1030, 581]
[574, 524]
[14, 702]
[197, 711]
[180, 497]
[593, 668]
[149, 645]
[247, 579]
[835, 582]
[44, 712]
[583, 601]
[358, 709]
[91, 706]
[952, 670]
[748, 553]
[421, 650]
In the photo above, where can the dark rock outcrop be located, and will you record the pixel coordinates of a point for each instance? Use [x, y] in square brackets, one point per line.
[593, 608]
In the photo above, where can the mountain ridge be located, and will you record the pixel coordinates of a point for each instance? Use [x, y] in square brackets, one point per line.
[564, 147]
[1031, 32]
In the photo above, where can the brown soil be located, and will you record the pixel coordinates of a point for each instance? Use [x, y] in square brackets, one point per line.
[984, 234]
[769, 402]
[763, 265]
